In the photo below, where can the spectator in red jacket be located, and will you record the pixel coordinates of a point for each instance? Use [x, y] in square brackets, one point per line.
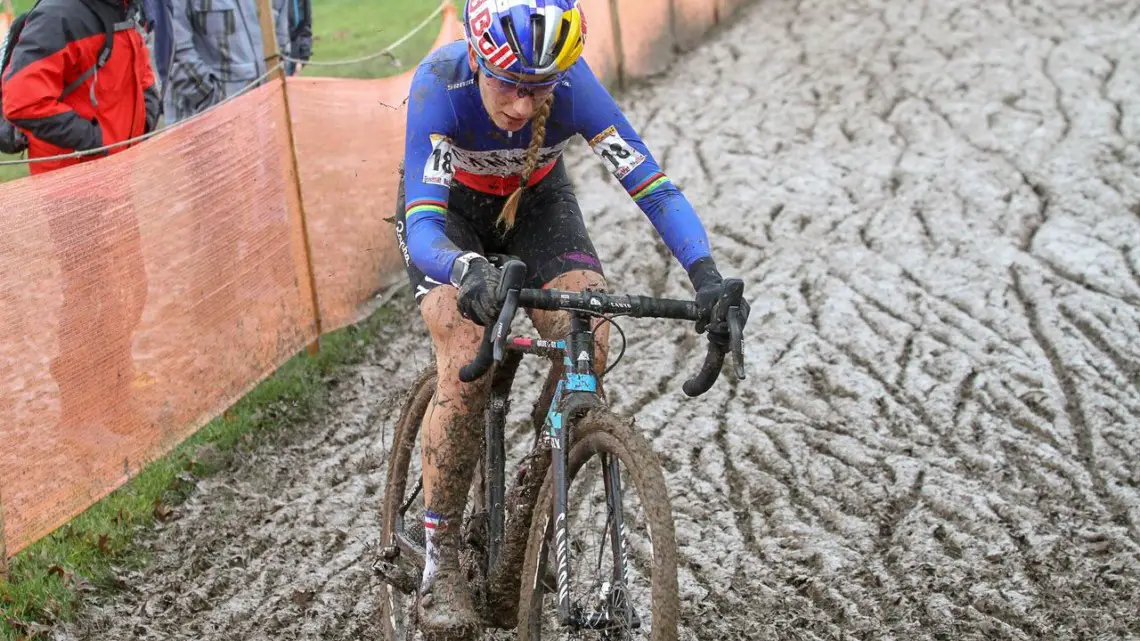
[60, 98]
[56, 93]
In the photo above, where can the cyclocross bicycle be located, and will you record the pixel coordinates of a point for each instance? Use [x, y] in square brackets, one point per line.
[626, 588]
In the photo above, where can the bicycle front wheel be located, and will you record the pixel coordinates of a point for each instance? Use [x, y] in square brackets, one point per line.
[608, 567]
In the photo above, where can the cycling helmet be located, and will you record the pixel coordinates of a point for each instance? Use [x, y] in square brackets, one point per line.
[532, 37]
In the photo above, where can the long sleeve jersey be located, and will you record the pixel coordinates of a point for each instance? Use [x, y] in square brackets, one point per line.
[451, 138]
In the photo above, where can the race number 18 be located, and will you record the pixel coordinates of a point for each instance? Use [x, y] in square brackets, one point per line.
[619, 155]
[438, 170]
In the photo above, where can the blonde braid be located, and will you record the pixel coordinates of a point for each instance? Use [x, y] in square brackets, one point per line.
[538, 135]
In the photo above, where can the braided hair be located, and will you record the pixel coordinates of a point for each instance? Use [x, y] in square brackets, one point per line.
[538, 136]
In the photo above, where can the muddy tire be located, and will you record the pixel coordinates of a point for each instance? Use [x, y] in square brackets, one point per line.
[600, 432]
[395, 605]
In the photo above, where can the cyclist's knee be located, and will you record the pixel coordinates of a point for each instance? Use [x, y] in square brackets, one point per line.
[446, 326]
[555, 325]
[456, 342]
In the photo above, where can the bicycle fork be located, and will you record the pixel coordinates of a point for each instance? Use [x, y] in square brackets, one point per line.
[558, 440]
[581, 378]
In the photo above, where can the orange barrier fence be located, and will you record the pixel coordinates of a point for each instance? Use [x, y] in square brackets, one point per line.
[646, 36]
[143, 293]
[140, 295]
[692, 19]
[350, 141]
[601, 45]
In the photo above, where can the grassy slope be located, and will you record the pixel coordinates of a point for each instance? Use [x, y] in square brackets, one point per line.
[347, 29]
[49, 578]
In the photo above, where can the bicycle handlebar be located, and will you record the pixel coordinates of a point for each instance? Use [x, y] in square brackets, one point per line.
[513, 296]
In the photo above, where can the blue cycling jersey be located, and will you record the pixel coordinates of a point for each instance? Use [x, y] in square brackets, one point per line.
[451, 138]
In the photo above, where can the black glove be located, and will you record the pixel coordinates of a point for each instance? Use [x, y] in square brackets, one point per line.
[709, 286]
[12, 140]
[478, 283]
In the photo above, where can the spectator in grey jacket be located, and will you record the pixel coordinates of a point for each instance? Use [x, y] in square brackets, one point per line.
[218, 49]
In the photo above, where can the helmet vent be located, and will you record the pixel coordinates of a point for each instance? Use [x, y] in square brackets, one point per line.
[512, 37]
[563, 35]
[538, 28]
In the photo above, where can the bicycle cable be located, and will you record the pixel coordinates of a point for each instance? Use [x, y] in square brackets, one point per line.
[621, 332]
[610, 320]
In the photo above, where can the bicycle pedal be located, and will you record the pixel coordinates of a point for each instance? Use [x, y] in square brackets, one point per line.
[395, 575]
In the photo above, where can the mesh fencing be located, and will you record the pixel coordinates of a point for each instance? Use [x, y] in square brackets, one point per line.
[350, 141]
[692, 19]
[140, 295]
[143, 293]
[601, 51]
[646, 36]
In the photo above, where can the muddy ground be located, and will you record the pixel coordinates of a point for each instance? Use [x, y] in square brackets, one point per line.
[936, 206]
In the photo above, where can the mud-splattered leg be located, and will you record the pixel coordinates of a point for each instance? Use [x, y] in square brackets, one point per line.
[452, 443]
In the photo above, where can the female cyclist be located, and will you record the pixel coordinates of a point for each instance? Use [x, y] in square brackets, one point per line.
[483, 173]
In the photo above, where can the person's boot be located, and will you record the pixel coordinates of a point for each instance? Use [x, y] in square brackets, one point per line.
[445, 609]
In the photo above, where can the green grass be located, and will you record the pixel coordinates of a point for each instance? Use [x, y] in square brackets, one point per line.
[348, 29]
[49, 578]
[12, 172]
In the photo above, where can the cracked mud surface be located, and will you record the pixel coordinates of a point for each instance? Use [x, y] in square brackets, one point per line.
[936, 207]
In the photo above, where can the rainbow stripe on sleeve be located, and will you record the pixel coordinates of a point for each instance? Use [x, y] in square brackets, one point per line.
[649, 185]
[425, 206]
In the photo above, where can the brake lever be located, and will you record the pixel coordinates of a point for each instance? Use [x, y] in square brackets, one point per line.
[503, 324]
[736, 315]
[736, 342]
[514, 273]
[492, 346]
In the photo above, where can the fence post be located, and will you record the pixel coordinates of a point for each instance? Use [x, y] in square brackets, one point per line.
[673, 25]
[272, 58]
[619, 53]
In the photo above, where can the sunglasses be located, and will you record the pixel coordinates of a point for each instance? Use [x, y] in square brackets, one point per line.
[522, 88]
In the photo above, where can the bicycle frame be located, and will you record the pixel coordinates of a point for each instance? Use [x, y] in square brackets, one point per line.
[575, 392]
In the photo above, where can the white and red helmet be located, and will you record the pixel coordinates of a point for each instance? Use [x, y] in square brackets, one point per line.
[526, 37]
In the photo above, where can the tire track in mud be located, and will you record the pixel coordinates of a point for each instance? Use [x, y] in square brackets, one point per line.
[935, 210]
